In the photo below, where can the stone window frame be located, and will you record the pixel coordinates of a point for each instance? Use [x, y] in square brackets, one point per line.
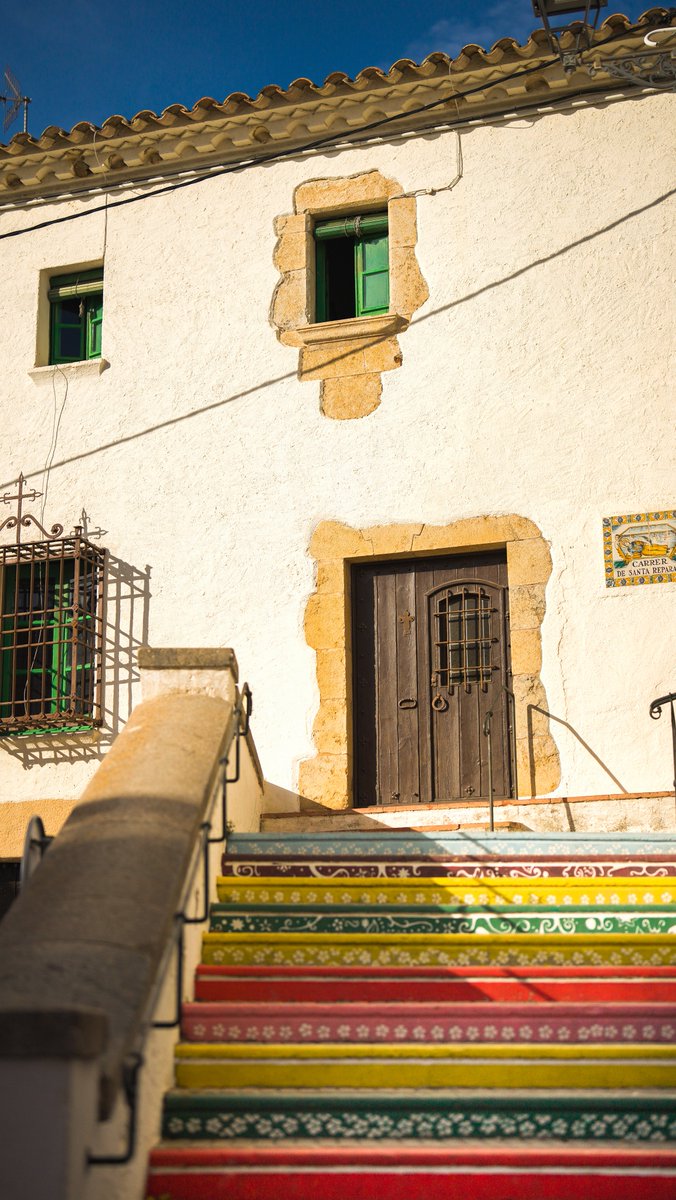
[327, 778]
[347, 357]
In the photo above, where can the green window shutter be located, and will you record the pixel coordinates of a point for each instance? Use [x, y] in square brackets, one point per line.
[351, 227]
[94, 319]
[372, 275]
[67, 329]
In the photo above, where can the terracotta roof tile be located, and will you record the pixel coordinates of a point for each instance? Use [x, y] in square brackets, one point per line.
[472, 53]
[35, 166]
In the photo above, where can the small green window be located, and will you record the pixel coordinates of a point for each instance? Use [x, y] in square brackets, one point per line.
[353, 270]
[76, 313]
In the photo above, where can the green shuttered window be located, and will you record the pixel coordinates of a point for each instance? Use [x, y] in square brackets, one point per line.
[76, 314]
[353, 270]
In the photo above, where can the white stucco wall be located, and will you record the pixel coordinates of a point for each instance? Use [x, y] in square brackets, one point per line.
[535, 380]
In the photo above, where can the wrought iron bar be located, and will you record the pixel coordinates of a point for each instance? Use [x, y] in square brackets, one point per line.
[488, 735]
[236, 730]
[204, 830]
[176, 1019]
[130, 1073]
[656, 712]
[511, 708]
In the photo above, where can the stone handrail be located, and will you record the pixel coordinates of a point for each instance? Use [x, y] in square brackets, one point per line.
[82, 947]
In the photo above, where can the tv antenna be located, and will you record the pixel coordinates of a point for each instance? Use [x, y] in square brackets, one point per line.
[12, 100]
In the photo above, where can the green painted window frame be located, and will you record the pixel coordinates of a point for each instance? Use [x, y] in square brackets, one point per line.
[370, 242]
[85, 287]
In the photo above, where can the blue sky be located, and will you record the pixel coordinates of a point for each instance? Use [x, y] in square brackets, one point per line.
[88, 59]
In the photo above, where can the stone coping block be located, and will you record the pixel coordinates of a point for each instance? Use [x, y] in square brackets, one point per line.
[50, 1033]
[190, 658]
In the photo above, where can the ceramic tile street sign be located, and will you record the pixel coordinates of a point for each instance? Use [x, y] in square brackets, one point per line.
[640, 548]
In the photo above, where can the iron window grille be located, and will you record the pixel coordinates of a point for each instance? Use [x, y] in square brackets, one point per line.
[51, 630]
[463, 638]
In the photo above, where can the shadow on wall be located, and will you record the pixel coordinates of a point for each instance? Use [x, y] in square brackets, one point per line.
[126, 611]
[552, 717]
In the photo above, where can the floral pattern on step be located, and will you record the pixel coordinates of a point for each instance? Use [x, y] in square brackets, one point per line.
[639, 1125]
[461, 923]
[395, 869]
[379, 1028]
[548, 893]
[375, 955]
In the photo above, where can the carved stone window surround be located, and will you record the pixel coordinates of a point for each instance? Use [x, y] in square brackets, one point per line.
[348, 357]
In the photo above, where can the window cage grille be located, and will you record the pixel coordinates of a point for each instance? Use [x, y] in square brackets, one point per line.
[463, 639]
[51, 628]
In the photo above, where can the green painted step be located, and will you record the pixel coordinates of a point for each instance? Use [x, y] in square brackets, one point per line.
[502, 918]
[608, 1116]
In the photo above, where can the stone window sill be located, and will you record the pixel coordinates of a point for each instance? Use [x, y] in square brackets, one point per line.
[91, 366]
[366, 328]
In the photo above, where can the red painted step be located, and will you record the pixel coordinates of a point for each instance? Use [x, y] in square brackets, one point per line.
[428, 1022]
[399, 1172]
[516, 985]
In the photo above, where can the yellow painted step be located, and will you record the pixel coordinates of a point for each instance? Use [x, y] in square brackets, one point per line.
[437, 949]
[415, 1066]
[556, 891]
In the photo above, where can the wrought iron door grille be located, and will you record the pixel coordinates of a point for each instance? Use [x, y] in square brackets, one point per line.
[51, 635]
[462, 639]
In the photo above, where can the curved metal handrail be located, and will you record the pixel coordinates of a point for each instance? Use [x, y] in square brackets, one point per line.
[655, 712]
[655, 709]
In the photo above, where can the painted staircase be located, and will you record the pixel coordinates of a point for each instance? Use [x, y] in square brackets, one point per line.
[454, 1016]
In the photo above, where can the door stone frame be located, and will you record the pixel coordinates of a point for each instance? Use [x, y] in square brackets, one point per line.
[326, 778]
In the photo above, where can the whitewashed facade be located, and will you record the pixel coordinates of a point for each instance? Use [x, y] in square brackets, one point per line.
[534, 380]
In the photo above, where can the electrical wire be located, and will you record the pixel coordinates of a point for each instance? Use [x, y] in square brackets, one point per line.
[316, 144]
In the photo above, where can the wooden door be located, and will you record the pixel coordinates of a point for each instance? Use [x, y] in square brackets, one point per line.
[431, 660]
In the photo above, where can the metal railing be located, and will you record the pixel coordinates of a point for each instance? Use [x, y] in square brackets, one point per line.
[655, 711]
[487, 730]
[36, 844]
[237, 729]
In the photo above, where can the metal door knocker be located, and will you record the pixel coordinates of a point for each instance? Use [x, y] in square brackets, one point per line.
[439, 703]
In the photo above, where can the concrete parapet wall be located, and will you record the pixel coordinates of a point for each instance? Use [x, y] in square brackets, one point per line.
[85, 945]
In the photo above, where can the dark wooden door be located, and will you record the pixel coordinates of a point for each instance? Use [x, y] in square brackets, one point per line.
[430, 660]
